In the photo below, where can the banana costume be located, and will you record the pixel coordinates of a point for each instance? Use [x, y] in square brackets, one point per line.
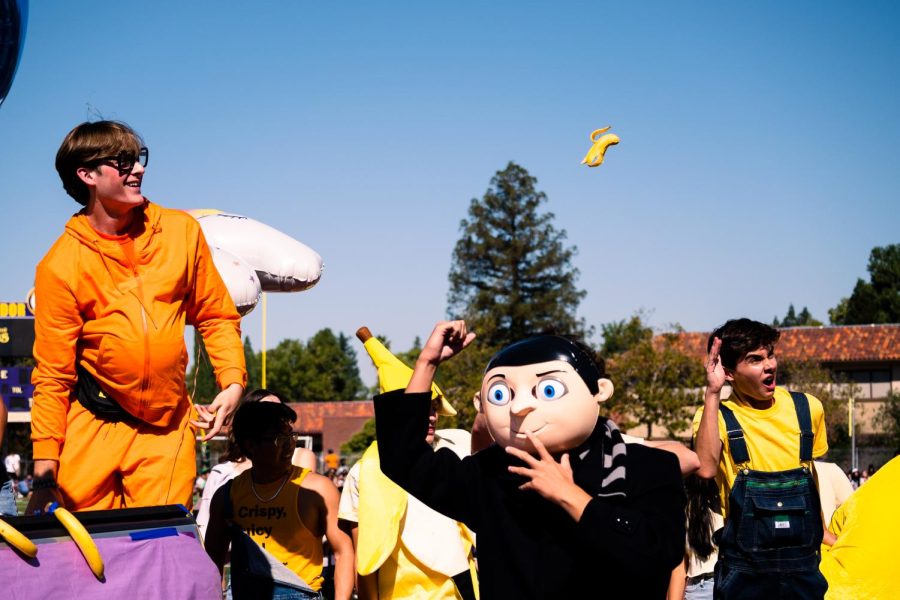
[861, 565]
[414, 550]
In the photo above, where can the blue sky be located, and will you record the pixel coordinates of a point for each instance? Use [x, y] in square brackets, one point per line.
[756, 169]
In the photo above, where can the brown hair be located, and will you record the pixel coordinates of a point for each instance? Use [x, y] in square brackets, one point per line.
[86, 145]
[740, 336]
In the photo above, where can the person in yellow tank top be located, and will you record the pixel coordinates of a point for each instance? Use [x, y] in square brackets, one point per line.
[275, 515]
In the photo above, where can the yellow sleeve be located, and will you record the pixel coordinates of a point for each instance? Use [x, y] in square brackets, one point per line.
[820, 434]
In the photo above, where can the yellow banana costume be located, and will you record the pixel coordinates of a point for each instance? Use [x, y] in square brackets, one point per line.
[861, 565]
[594, 157]
[393, 374]
[17, 540]
[81, 538]
[414, 550]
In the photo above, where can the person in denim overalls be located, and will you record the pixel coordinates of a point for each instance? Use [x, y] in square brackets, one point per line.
[761, 451]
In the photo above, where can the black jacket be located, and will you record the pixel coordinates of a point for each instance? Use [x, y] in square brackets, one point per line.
[529, 547]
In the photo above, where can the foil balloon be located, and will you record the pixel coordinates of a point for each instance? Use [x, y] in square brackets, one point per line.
[240, 279]
[13, 18]
[282, 264]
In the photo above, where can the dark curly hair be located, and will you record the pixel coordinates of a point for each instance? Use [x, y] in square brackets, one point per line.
[740, 336]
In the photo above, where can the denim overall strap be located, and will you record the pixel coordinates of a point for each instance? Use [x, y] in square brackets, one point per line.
[801, 405]
[736, 442]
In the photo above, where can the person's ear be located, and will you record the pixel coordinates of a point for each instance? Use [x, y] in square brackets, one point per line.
[605, 389]
[729, 374]
[86, 175]
[476, 400]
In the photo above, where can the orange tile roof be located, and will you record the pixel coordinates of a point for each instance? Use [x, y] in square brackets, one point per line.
[311, 416]
[836, 343]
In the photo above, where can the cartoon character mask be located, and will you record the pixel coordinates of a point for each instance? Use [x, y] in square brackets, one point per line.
[547, 385]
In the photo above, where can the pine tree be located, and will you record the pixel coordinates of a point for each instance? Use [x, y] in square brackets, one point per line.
[512, 275]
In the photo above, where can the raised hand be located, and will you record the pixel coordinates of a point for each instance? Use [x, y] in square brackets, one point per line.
[715, 372]
[446, 341]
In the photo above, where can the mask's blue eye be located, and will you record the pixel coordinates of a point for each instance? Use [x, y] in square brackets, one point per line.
[551, 389]
[498, 394]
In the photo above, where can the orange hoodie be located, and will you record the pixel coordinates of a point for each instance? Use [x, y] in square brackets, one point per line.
[121, 315]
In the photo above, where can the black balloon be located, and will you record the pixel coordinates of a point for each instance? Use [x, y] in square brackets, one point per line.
[13, 18]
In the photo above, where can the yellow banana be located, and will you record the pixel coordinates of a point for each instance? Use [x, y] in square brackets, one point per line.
[392, 373]
[594, 157]
[82, 539]
[17, 539]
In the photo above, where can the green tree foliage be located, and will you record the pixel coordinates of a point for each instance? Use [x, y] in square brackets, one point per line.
[792, 319]
[620, 336]
[322, 369]
[889, 419]
[254, 365]
[877, 300]
[655, 384]
[360, 440]
[511, 277]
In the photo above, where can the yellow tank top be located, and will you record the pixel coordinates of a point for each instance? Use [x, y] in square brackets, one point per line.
[275, 524]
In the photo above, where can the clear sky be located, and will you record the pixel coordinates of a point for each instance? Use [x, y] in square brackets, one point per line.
[758, 163]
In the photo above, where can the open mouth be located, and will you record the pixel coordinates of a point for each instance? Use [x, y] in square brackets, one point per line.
[769, 382]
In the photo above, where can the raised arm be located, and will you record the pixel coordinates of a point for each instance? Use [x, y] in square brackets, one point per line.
[708, 443]
[446, 341]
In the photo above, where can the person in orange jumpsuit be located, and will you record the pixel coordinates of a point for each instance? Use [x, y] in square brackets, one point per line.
[112, 424]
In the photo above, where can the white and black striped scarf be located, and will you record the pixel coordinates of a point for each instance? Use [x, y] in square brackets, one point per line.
[613, 475]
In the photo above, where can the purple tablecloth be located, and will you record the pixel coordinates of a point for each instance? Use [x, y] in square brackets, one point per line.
[165, 568]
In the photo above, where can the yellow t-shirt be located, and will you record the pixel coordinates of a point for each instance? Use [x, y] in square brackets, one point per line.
[772, 436]
[862, 565]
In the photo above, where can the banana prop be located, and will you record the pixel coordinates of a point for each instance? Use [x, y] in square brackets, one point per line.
[594, 157]
[17, 540]
[81, 538]
[392, 373]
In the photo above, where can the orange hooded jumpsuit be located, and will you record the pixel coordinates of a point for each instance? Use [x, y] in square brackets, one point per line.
[117, 306]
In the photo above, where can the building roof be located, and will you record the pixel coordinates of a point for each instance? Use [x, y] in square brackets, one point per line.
[836, 343]
[311, 416]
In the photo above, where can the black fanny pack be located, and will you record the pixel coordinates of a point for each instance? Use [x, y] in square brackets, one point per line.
[97, 401]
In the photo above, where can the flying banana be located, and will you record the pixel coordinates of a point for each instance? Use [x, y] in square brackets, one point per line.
[17, 540]
[594, 157]
[82, 539]
[393, 374]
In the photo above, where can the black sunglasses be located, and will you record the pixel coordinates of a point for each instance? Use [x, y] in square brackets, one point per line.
[126, 160]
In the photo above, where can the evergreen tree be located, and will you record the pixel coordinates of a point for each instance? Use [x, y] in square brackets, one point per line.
[877, 300]
[511, 277]
[792, 319]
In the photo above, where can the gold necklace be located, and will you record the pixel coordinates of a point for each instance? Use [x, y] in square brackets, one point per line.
[278, 491]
